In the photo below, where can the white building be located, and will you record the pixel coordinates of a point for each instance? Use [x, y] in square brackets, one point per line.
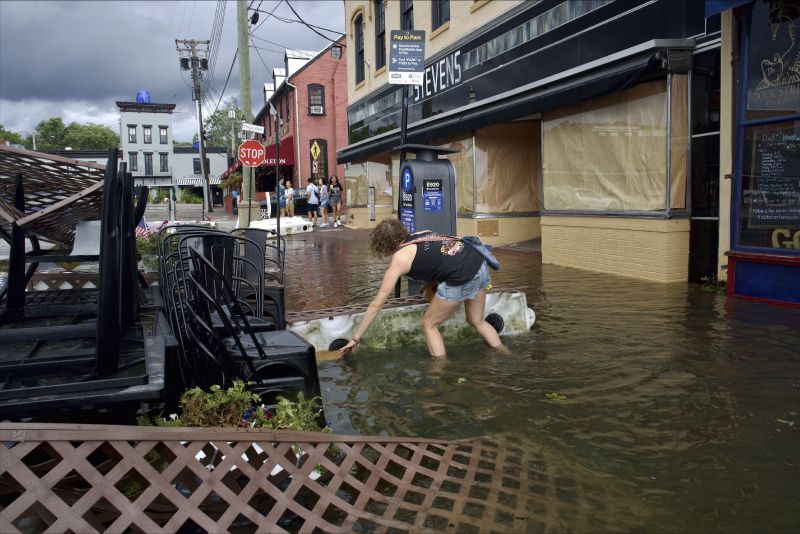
[146, 141]
[147, 147]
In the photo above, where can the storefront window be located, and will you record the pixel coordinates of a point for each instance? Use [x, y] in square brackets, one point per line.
[768, 178]
[773, 61]
[507, 168]
[355, 184]
[462, 161]
[769, 210]
[610, 154]
[375, 172]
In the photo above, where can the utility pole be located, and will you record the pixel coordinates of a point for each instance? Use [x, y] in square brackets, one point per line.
[247, 107]
[233, 107]
[193, 58]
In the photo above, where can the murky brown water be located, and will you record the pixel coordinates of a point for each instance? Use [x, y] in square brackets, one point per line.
[681, 406]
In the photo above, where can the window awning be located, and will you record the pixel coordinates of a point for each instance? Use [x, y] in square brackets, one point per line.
[595, 79]
[287, 153]
[196, 181]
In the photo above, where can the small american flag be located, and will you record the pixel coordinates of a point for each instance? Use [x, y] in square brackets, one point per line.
[141, 229]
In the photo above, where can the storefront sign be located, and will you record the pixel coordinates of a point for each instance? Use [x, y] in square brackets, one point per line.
[406, 57]
[440, 75]
[774, 75]
[432, 195]
[407, 216]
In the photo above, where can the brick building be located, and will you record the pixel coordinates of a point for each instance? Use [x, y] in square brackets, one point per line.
[310, 97]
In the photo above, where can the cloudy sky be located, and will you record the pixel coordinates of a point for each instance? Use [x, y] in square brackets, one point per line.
[74, 59]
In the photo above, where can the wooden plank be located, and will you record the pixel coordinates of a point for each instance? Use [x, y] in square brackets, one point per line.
[58, 205]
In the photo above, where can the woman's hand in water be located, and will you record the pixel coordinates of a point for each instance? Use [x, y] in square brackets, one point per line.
[352, 345]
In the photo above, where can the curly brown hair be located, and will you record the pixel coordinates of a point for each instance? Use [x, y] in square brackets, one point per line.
[386, 237]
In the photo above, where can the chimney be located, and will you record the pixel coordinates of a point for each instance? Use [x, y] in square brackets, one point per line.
[278, 76]
[269, 90]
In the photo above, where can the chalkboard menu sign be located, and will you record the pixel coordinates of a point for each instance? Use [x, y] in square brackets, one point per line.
[770, 181]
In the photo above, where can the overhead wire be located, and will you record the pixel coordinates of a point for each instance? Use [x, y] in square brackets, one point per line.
[208, 82]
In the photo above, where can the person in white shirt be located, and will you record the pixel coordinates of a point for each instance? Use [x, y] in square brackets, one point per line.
[313, 201]
[289, 193]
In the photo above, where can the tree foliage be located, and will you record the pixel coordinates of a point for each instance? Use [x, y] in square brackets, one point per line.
[52, 135]
[89, 136]
[11, 137]
[218, 128]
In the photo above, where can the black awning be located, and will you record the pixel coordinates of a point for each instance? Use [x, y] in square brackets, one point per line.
[565, 92]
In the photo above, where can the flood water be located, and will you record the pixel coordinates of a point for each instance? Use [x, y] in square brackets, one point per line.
[681, 410]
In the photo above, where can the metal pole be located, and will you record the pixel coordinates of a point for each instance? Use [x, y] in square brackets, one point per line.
[278, 179]
[669, 145]
[403, 126]
[202, 158]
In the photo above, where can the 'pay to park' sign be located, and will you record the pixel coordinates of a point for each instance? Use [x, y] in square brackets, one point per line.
[407, 57]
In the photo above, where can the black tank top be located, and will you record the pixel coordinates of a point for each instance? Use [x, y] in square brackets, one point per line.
[444, 260]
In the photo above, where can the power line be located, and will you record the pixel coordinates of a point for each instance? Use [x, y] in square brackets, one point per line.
[235, 54]
[313, 27]
[191, 17]
[270, 14]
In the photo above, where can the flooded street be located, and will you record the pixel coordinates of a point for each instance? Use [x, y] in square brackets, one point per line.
[680, 409]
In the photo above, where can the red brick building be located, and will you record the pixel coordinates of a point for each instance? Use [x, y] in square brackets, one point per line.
[310, 97]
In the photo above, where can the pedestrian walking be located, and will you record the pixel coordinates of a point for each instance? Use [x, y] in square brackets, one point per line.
[289, 195]
[460, 270]
[313, 201]
[324, 200]
[336, 198]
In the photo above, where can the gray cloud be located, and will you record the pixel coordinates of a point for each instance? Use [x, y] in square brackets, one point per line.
[75, 59]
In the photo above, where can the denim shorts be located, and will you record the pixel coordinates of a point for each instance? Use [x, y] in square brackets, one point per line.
[467, 291]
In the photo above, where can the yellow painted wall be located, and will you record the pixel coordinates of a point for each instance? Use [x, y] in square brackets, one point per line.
[465, 17]
[359, 217]
[650, 249]
[725, 142]
[510, 229]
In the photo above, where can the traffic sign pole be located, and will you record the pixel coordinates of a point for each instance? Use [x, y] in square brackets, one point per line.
[406, 67]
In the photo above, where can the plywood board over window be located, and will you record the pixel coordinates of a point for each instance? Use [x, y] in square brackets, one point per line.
[679, 136]
[610, 153]
[377, 173]
[463, 164]
[507, 169]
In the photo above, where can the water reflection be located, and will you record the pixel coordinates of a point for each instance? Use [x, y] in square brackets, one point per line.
[681, 404]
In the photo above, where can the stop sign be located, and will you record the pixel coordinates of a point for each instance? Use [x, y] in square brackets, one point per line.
[251, 153]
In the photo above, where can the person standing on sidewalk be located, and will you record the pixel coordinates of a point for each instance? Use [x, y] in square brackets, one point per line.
[289, 198]
[324, 200]
[336, 198]
[282, 199]
[313, 202]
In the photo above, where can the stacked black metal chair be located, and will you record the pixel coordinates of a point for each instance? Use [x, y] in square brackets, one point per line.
[276, 363]
[195, 366]
[272, 256]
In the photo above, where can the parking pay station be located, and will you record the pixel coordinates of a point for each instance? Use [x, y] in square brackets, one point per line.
[427, 193]
[427, 190]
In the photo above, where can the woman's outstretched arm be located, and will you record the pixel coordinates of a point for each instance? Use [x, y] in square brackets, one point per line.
[400, 265]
